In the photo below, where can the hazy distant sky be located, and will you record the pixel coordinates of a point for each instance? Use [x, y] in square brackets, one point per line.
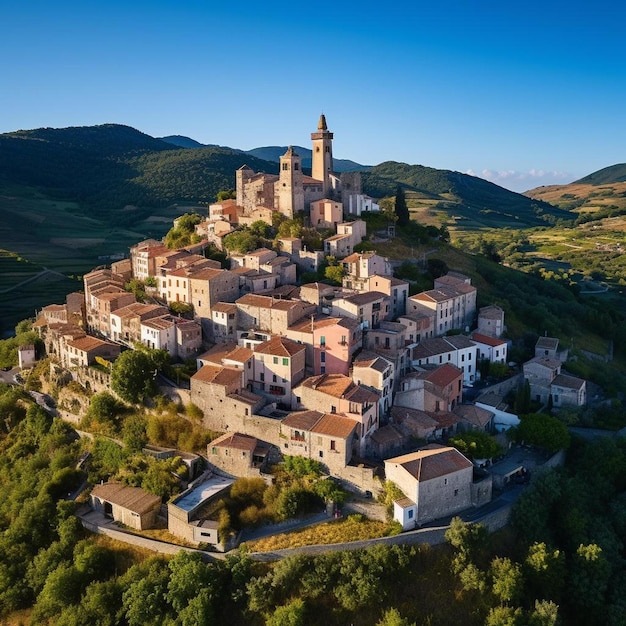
[521, 93]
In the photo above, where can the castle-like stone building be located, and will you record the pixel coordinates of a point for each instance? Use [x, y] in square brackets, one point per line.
[291, 191]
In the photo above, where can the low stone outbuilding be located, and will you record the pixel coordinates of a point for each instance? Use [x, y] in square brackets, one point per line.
[131, 506]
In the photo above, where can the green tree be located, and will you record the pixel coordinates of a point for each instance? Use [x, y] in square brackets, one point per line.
[134, 432]
[227, 194]
[144, 601]
[292, 614]
[105, 411]
[476, 444]
[392, 617]
[133, 376]
[542, 430]
[334, 271]
[507, 579]
[401, 208]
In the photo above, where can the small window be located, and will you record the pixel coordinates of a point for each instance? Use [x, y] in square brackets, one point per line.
[410, 514]
[285, 361]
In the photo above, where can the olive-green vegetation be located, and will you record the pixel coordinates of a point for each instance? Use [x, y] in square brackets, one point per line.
[476, 444]
[183, 233]
[298, 488]
[24, 336]
[562, 558]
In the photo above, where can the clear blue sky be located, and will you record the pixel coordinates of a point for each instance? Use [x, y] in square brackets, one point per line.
[524, 94]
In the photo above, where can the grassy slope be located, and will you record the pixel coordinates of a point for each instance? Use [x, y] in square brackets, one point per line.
[470, 203]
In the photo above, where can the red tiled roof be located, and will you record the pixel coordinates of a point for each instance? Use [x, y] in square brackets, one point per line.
[487, 340]
[432, 462]
[280, 346]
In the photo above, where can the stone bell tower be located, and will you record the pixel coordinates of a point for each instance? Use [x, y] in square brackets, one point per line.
[322, 155]
[289, 190]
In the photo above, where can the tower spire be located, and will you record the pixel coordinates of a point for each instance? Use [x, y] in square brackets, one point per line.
[322, 165]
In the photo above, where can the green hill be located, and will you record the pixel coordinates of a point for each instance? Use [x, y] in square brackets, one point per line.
[111, 166]
[612, 174]
[471, 202]
[182, 142]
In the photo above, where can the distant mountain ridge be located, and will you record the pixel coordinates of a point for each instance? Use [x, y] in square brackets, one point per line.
[273, 153]
[110, 166]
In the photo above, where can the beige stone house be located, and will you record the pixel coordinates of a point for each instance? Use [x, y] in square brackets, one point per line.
[238, 454]
[82, 351]
[437, 482]
[336, 393]
[491, 321]
[453, 300]
[279, 365]
[270, 314]
[368, 308]
[438, 389]
[326, 437]
[126, 321]
[374, 371]
[220, 393]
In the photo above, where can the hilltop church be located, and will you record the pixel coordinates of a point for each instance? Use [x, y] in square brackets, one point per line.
[291, 191]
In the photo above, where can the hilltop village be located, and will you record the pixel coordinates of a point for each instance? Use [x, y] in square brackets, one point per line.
[362, 377]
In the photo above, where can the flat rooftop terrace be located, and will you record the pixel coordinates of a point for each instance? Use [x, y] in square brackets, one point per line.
[203, 492]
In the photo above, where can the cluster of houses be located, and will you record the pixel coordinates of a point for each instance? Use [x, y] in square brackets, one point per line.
[351, 375]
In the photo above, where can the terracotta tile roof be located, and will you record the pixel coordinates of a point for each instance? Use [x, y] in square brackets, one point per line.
[280, 346]
[473, 414]
[552, 364]
[87, 343]
[227, 351]
[372, 361]
[160, 323]
[237, 441]
[431, 347]
[334, 425]
[205, 273]
[441, 376]
[336, 385]
[224, 307]
[304, 420]
[432, 462]
[444, 419]
[218, 375]
[487, 340]
[401, 414]
[387, 435]
[268, 302]
[130, 498]
[319, 321]
[365, 297]
[459, 342]
[53, 308]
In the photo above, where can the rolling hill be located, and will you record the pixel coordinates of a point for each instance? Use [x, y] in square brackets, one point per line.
[597, 196]
[470, 203]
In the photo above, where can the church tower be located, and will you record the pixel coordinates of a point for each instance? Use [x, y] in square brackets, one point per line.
[289, 190]
[323, 155]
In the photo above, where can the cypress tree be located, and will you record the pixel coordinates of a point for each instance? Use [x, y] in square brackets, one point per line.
[402, 211]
